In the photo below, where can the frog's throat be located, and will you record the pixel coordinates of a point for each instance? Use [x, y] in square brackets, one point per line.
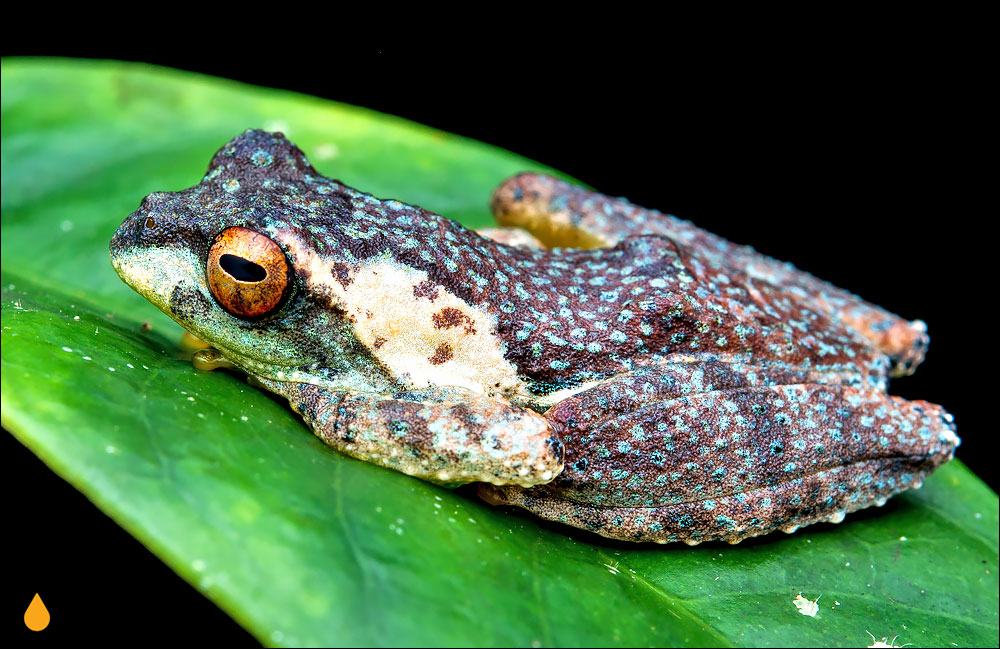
[349, 379]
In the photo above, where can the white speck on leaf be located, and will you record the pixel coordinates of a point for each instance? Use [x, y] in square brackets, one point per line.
[885, 643]
[806, 606]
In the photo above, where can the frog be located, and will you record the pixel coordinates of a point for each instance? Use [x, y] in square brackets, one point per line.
[598, 364]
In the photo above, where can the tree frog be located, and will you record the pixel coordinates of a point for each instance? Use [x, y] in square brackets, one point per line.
[618, 370]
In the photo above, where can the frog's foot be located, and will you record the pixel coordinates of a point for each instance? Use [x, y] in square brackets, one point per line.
[192, 343]
[511, 237]
[561, 214]
[905, 343]
[556, 212]
[211, 359]
[725, 453]
[444, 435]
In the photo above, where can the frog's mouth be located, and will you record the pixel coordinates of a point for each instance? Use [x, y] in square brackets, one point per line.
[169, 279]
[172, 279]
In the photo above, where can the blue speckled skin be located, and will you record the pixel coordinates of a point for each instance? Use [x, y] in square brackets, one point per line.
[693, 389]
[708, 450]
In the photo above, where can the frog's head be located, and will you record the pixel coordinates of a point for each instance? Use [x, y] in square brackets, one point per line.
[230, 260]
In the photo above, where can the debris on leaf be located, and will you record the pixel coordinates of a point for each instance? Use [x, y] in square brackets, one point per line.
[806, 606]
[885, 643]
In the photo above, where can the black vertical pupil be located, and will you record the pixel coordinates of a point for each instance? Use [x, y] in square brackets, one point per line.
[242, 269]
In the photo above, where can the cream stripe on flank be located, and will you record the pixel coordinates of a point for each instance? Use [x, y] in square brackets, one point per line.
[423, 342]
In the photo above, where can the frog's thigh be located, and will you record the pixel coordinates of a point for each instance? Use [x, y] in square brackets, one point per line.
[730, 464]
[561, 214]
[441, 435]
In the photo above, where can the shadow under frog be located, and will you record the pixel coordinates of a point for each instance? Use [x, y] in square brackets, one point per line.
[621, 371]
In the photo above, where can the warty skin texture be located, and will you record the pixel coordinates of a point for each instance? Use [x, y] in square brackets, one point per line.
[664, 385]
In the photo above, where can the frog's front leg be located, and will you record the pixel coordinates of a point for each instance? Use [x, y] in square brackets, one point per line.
[708, 450]
[444, 435]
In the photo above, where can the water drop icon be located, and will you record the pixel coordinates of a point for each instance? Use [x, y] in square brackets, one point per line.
[36, 617]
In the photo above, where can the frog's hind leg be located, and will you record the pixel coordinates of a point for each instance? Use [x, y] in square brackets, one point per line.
[444, 435]
[561, 214]
[511, 237]
[722, 451]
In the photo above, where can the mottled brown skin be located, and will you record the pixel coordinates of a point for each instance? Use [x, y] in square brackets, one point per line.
[706, 450]
[560, 214]
[692, 389]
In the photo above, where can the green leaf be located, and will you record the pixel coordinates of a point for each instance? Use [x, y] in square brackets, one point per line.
[303, 546]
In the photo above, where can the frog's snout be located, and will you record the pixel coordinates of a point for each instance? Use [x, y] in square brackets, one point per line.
[147, 227]
[123, 238]
[128, 236]
[151, 249]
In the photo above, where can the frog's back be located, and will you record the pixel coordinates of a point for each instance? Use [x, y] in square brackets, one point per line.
[568, 317]
[555, 319]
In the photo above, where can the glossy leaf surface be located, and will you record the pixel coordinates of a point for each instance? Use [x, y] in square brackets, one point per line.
[303, 546]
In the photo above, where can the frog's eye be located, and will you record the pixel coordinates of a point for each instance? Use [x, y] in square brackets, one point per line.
[248, 274]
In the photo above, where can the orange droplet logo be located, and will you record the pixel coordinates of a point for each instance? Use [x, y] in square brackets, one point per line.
[36, 617]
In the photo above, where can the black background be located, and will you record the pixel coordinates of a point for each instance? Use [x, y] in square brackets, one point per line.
[857, 161]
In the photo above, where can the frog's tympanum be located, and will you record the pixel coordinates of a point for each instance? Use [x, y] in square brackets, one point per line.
[621, 370]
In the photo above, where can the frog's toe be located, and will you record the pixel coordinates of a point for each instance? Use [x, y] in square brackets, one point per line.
[906, 343]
